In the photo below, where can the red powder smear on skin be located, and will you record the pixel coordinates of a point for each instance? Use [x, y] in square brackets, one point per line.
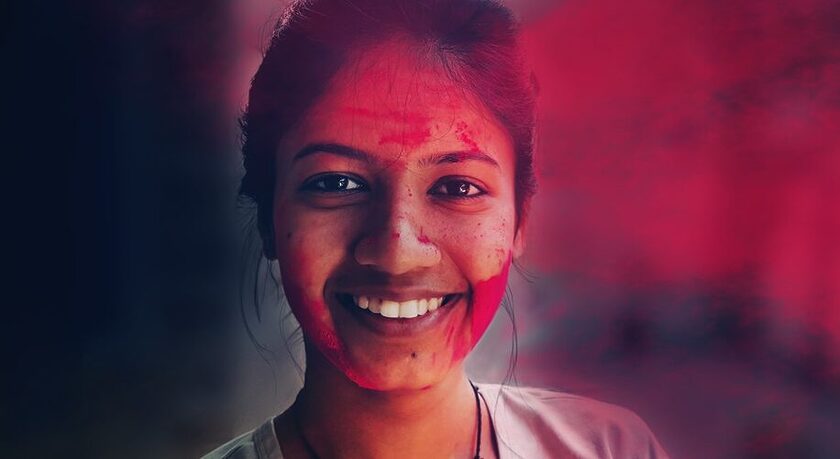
[412, 118]
[311, 315]
[407, 139]
[449, 334]
[423, 239]
[416, 125]
[487, 295]
[465, 137]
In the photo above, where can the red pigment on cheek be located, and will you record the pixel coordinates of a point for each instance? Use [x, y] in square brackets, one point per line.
[487, 295]
[449, 334]
[316, 322]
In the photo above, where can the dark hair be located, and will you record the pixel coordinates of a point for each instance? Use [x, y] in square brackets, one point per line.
[475, 42]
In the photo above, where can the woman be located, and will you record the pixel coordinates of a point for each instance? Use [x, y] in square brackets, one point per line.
[388, 148]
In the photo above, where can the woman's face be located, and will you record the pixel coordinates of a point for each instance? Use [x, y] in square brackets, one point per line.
[394, 221]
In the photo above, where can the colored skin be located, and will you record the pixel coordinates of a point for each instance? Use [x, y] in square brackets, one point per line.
[422, 204]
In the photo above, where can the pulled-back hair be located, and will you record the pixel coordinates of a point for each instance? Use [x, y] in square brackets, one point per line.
[474, 41]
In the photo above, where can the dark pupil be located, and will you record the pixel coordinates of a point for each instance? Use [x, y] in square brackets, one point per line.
[335, 183]
[459, 188]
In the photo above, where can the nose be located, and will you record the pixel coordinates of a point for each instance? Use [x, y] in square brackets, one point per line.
[394, 243]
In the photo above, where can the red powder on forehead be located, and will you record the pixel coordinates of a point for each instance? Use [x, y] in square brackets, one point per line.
[407, 139]
[464, 135]
[415, 125]
[413, 118]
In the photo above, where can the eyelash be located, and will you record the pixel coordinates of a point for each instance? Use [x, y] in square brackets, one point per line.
[319, 184]
[457, 181]
[311, 184]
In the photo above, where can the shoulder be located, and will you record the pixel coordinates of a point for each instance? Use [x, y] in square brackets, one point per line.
[260, 443]
[241, 447]
[545, 423]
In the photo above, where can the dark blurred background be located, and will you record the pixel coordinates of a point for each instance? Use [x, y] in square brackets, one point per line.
[683, 252]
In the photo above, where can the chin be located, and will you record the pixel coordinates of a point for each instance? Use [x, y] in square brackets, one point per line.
[401, 370]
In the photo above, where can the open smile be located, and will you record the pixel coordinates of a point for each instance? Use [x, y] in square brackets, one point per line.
[394, 309]
[388, 317]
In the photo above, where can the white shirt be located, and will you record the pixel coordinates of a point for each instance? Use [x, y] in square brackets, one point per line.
[529, 423]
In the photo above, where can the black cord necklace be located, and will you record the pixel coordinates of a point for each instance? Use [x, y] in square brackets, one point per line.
[478, 415]
[311, 451]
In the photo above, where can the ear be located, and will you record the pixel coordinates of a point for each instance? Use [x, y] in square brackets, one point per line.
[519, 238]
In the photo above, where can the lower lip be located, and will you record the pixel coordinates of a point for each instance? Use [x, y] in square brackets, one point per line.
[397, 327]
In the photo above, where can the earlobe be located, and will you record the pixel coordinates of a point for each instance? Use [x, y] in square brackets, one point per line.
[519, 242]
[521, 226]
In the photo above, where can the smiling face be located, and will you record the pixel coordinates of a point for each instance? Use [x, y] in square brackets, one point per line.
[394, 220]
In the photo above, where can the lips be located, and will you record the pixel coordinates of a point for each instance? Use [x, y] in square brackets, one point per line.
[387, 317]
[394, 309]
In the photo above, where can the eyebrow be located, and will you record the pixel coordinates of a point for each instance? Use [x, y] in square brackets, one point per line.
[360, 155]
[334, 148]
[457, 157]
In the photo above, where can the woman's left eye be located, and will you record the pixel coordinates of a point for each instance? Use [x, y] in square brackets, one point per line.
[333, 183]
[457, 188]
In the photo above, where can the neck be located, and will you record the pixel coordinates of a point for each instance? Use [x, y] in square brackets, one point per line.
[340, 418]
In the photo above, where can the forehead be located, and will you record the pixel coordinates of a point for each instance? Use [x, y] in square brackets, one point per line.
[393, 101]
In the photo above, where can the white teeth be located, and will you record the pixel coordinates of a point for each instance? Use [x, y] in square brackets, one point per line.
[434, 303]
[390, 309]
[408, 309]
[422, 306]
[398, 309]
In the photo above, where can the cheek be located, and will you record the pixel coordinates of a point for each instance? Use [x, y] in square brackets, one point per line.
[481, 247]
[303, 270]
[305, 300]
[486, 298]
[310, 311]
[484, 255]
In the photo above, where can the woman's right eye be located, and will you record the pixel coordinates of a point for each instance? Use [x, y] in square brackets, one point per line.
[333, 183]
